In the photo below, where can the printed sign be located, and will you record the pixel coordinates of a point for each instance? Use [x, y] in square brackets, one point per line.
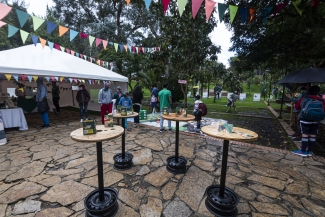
[182, 81]
[257, 97]
[242, 96]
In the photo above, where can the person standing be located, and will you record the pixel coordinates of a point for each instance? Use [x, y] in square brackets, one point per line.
[56, 97]
[105, 97]
[153, 103]
[154, 90]
[165, 99]
[137, 99]
[304, 92]
[117, 96]
[83, 98]
[126, 102]
[314, 105]
[231, 101]
[197, 112]
[217, 91]
[41, 99]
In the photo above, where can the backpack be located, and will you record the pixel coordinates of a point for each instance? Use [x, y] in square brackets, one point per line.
[313, 110]
[203, 108]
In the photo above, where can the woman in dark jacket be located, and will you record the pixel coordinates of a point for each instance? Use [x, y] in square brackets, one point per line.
[83, 98]
[137, 97]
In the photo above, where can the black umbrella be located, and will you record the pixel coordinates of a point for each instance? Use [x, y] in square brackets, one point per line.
[306, 75]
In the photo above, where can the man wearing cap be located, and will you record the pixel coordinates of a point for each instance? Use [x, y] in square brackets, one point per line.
[118, 95]
[105, 97]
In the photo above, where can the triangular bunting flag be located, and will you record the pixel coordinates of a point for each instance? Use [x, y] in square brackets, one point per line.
[279, 8]
[22, 17]
[62, 48]
[73, 34]
[105, 44]
[98, 81]
[37, 22]
[296, 4]
[16, 77]
[70, 79]
[61, 78]
[8, 76]
[83, 35]
[50, 27]
[233, 10]
[137, 49]
[52, 78]
[222, 9]
[62, 30]
[126, 48]
[130, 48]
[243, 14]
[23, 35]
[23, 77]
[43, 42]
[34, 39]
[77, 54]
[251, 14]
[35, 78]
[181, 6]
[29, 78]
[165, 4]
[2, 23]
[142, 49]
[4, 10]
[209, 6]
[98, 41]
[68, 50]
[147, 2]
[56, 46]
[91, 40]
[47, 78]
[11, 30]
[75, 80]
[72, 52]
[196, 4]
[51, 44]
[121, 47]
[56, 78]
[91, 59]
[116, 46]
[81, 56]
[85, 57]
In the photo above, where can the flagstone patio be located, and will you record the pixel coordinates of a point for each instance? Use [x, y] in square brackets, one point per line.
[45, 173]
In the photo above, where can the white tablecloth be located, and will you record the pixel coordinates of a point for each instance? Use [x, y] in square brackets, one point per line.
[14, 118]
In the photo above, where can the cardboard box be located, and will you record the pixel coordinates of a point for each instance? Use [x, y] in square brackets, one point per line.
[89, 127]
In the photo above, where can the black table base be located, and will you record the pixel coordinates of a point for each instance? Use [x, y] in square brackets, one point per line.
[121, 163]
[221, 206]
[176, 166]
[222, 201]
[97, 208]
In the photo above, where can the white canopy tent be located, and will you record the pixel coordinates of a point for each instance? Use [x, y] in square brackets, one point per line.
[35, 61]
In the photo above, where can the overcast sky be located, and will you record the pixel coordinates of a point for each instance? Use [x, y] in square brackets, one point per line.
[220, 35]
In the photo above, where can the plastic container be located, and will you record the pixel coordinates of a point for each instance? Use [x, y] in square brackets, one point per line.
[143, 115]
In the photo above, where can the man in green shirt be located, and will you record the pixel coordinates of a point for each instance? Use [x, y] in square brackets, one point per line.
[165, 99]
[56, 97]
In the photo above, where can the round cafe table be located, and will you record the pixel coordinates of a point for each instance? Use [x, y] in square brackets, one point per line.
[177, 164]
[123, 161]
[102, 201]
[222, 201]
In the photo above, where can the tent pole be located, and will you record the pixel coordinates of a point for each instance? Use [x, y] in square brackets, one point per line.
[280, 116]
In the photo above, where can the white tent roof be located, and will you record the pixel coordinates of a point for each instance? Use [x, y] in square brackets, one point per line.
[31, 60]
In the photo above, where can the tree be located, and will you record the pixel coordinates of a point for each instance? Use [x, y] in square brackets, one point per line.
[293, 37]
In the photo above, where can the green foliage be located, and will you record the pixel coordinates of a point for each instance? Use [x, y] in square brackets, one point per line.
[257, 79]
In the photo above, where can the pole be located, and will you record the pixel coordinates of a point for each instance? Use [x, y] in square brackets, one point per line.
[224, 167]
[100, 170]
[268, 102]
[176, 141]
[280, 116]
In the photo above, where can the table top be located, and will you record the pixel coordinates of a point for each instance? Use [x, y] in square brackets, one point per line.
[103, 133]
[118, 115]
[238, 134]
[176, 117]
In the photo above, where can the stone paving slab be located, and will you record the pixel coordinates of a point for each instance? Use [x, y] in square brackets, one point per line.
[47, 169]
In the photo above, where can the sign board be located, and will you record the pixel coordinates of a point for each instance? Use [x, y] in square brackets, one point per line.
[242, 96]
[257, 97]
[182, 81]
[205, 95]
[75, 87]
